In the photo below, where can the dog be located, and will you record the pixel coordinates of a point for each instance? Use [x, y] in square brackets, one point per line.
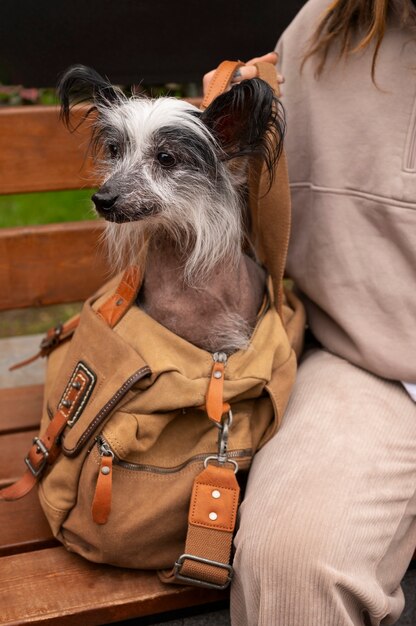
[174, 196]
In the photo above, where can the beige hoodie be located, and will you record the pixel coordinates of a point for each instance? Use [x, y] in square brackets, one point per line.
[352, 164]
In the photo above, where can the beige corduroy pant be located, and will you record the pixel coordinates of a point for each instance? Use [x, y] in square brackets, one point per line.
[328, 523]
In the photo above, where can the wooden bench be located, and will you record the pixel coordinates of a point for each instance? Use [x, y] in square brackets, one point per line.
[40, 582]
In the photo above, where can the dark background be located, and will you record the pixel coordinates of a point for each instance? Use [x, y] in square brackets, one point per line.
[130, 41]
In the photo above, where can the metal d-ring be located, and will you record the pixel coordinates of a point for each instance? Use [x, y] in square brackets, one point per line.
[215, 458]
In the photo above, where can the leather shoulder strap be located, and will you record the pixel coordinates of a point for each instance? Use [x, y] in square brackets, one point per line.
[267, 72]
[220, 81]
[113, 309]
[271, 208]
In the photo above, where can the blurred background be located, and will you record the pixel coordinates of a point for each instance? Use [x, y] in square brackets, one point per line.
[158, 47]
[132, 41]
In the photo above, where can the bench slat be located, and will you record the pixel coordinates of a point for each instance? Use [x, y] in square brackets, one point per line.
[13, 450]
[23, 526]
[59, 588]
[50, 264]
[37, 153]
[20, 408]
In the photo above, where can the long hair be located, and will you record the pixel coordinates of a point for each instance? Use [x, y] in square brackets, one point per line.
[344, 19]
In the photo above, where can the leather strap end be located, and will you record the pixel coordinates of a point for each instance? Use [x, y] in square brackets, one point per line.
[20, 488]
[214, 400]
[215, 497]
[31, 359]
[101, 506]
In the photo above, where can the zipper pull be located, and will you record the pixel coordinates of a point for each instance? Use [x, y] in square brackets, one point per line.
[214, 400]
[101, 505]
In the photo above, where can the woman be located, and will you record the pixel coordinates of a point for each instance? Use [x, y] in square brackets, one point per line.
[328, 524]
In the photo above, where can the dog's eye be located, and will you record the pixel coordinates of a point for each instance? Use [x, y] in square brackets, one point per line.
[113, 150]
[165, 159]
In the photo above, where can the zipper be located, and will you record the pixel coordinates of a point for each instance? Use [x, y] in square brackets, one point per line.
[106, 410]
[104, 449]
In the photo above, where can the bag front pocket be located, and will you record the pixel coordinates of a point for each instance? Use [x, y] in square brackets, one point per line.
[147, 523]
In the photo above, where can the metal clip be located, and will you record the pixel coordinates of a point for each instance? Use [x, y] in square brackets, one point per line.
[223, 437]
[222, 456]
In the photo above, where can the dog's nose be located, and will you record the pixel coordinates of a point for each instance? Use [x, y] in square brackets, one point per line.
[104, 200]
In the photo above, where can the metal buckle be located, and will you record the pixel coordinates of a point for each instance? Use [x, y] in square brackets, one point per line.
[53, 340]
[202, 583]
[43, 449]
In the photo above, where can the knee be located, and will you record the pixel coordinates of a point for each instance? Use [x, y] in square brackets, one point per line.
[289, 545]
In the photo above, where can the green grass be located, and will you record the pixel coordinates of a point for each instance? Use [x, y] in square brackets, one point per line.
[41, 208]
[45, 208]
[35, 320]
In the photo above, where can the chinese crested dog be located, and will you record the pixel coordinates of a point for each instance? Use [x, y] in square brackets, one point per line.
[175, 186]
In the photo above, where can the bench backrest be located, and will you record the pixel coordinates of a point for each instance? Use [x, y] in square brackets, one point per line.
[50, 264]
[42, 265]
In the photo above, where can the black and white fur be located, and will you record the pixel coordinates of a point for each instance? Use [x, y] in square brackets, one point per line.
[175, 178]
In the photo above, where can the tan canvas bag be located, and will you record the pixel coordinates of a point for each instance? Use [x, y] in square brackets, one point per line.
[142, 432]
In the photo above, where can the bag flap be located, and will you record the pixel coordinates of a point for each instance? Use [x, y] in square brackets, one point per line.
[177, 364]
[112, 367]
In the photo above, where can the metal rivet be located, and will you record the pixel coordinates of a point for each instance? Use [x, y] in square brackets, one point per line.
[213, 516]
[217, 375]
[119, 301]
[216, 494]
[66, 403]
[76, 385]
[105, 470]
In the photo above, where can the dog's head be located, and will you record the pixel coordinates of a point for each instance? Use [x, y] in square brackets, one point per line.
[165, 163]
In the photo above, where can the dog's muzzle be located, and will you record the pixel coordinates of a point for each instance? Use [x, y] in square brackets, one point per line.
[104, 201]
[106, 206]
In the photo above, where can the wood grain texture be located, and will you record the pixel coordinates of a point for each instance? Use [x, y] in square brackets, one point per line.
[20, 408]
[13, 450]
[23, 526]
[55, 587]
[37, 153]
[50, 264]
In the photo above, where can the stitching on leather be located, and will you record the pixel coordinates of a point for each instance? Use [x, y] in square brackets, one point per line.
[108, 407]
[231, 69]
[215, 526]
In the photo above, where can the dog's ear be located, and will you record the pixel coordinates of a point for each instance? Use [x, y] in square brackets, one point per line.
[248, 119]
[80, 84]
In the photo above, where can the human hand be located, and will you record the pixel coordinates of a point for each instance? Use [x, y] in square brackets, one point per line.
[247, 71]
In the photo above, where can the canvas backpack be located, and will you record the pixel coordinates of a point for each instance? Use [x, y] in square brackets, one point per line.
[142, 433]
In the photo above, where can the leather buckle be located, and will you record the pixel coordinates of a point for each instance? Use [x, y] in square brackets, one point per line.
[40, 448]
[196, 581]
